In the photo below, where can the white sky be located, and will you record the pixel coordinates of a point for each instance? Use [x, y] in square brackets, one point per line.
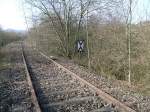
[142, 11]
[11, 14]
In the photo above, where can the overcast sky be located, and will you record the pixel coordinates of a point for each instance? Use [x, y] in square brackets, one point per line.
[142, 9]
[11, 15]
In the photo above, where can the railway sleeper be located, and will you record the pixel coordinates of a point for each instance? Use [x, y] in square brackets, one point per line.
[43, 85]
[62, 97]
[57, 88]
[49, 82]
[84, 104]
[48, 78]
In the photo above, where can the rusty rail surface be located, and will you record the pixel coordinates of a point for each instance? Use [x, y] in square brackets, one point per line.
[106, 97]
[33, 95]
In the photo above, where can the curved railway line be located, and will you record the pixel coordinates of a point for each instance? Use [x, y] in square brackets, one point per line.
[56, 89]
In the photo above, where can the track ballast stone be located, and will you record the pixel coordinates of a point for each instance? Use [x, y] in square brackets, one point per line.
[57, 91]
[14, 91]
[118, 90]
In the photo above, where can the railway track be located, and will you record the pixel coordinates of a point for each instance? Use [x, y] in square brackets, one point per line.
[56, 89]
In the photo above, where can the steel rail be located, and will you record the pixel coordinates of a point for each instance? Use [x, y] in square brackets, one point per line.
[33, 94]
[106, 97]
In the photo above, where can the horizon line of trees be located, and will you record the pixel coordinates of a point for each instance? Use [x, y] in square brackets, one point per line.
[8, 36]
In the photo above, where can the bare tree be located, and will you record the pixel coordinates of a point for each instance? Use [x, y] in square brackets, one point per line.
[128, 7]
[67, 17]
[129, 40]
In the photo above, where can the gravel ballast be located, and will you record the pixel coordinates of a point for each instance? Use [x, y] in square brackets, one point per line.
[115, 88]
[14, 92]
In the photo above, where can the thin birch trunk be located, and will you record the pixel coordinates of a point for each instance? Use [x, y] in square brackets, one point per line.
[88, 50]
[129, 41]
